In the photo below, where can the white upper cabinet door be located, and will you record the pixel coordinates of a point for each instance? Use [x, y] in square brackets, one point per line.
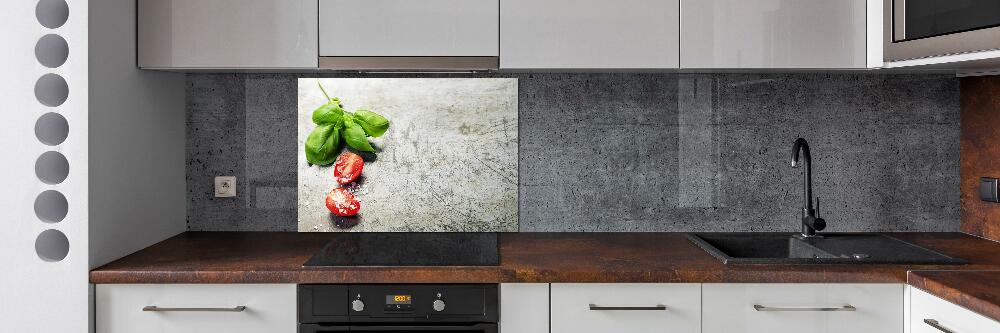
[626, 307]
[802, 308]
[227, 33]
[599, 34]
[773, 34]
[409, 28]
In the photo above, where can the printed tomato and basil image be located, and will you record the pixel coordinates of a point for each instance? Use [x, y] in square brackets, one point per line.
[407, 155]
[322, 147]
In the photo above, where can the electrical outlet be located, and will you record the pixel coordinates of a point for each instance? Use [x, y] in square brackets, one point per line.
[988, 189]
[225, 187]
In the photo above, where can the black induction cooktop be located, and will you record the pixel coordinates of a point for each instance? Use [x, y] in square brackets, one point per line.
[408, 249]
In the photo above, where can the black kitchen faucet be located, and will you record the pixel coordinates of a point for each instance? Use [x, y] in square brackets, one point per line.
[810, 221]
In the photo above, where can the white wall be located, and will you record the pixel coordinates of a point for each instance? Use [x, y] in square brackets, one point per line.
[124, 187]
[38, 295]
[137, 185]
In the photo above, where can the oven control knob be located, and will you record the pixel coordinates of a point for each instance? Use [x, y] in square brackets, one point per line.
[358, 305]
[438, 305]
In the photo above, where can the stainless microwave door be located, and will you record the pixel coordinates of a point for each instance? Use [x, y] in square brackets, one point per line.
[926, 28]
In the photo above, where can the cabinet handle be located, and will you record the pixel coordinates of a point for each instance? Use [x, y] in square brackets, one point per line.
[595, 307]
[759, 307]
[159, 309]
[935, 324]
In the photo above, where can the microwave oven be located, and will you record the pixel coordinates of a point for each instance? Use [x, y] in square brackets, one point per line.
[915, 29]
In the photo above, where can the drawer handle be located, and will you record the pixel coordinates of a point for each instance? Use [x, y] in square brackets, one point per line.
[759, 307]
[658, 307]
[159, 309]
[935, 324]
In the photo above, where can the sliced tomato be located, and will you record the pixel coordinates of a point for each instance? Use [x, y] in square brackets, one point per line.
[348, 167]
[342, 203]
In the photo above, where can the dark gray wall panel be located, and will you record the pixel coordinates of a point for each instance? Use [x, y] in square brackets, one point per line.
[640, 152]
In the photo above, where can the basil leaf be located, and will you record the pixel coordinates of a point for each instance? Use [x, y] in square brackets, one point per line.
[355, 136]
[329, 113]
[321, 146]
[373, 123]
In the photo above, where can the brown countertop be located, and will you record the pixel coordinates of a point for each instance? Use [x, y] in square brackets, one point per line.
[266, 257]
[263, 257]
[978, 291]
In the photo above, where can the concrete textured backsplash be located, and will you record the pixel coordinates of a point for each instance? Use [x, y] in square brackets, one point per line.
[638, 152]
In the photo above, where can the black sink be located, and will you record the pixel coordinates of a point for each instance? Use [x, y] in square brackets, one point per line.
[834, 248]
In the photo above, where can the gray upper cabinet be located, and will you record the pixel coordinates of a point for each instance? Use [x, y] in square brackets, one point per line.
[582, 34]
[508, 34]
[774, 34]
[192, 34]
[409, 28]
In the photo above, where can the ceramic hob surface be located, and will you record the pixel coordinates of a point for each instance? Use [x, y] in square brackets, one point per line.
[408, 249]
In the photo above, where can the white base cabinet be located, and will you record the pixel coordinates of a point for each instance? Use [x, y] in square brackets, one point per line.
[626, 307]
[802, 308]
[524, 308]
[930, 314]
[725, 308]
[569, 307]
[196, 308]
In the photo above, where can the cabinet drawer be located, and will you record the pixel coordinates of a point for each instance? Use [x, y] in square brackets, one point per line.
[269, 308]
[802, 308]
[623, 307]
[946, 315]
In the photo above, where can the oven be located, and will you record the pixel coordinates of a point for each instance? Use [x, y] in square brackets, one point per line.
[385, 308]
[916, 29]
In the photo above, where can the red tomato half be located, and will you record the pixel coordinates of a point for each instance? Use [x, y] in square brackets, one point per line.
[342, 203]
[348, 167]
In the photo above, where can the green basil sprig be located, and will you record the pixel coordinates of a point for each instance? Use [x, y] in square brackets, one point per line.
[373, 123]
[329, 113]
[355, 135]
[333, 123]
[321, 146]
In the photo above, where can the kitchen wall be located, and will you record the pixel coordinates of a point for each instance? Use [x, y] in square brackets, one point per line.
[639, 152]
[980, 152]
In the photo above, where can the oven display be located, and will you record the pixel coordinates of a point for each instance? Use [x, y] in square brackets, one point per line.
[398, 299]
[398, 303]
